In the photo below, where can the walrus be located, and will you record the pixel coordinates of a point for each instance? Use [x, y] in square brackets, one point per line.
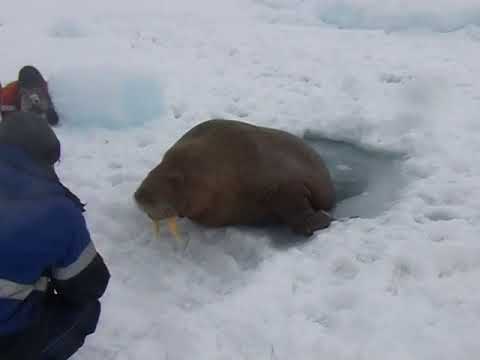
[228, 172]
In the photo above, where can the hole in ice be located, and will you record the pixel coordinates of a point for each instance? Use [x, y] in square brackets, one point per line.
[367, 181]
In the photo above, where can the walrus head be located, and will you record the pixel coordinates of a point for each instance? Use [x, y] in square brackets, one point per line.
[159, 194]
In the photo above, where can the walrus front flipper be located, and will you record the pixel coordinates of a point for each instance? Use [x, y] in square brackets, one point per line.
[291, 203]
[318, 221]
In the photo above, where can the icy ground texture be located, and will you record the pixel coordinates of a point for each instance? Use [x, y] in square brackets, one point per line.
[392, 15]
[112, 98]
[400, 285]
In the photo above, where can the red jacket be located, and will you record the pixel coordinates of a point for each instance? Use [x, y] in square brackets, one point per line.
[10, 101]
[9, 97]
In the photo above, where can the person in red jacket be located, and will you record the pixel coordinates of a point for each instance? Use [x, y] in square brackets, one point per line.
[30, 94]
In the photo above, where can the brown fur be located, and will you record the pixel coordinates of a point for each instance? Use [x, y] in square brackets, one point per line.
[225, 172]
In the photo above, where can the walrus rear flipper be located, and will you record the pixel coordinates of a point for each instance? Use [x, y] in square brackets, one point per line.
[291, 203]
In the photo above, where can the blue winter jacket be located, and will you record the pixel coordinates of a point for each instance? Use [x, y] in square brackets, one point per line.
[44, 243]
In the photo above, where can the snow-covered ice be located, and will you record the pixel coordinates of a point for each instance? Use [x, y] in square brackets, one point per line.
[131, 77]
[392, 15]
[107, 96]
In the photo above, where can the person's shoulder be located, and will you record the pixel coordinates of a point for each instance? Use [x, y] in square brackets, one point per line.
[65, 210]
[68, 226]
[41, 210]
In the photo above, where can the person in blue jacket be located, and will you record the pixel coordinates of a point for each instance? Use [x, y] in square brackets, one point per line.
[51, 275]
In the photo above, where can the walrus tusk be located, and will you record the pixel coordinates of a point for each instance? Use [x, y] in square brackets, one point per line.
[172, 226]
[156, 228]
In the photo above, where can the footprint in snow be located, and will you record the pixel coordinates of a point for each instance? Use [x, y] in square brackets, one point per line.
[441, 214]
[345, 268]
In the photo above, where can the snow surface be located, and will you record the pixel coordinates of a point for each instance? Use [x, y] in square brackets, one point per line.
[401, 284]
[391, 15]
